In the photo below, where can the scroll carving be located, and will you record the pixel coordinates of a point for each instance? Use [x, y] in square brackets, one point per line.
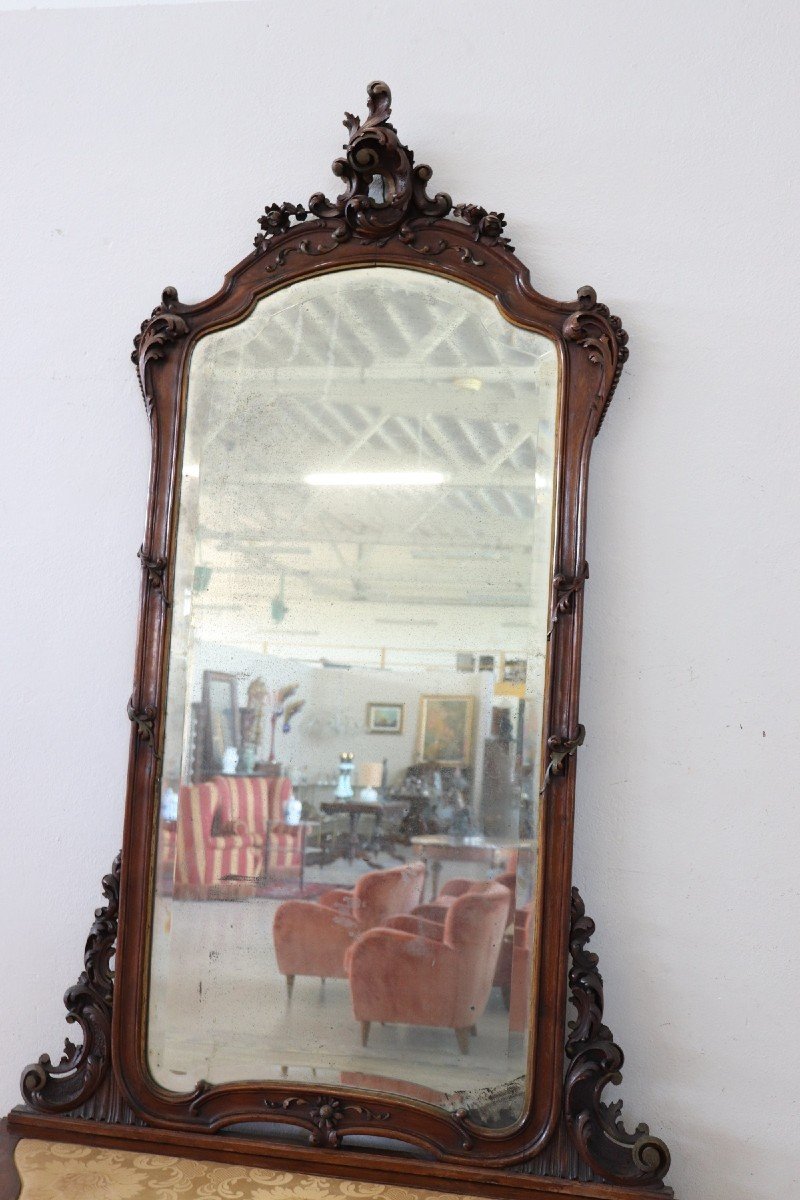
[596, 1060]
[604, 339]
[324, 1115]
[82, 1082]
[152, 343]
[385, 195]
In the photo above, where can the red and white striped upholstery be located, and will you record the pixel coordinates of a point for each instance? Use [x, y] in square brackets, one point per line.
[204, 859]
[255, 808]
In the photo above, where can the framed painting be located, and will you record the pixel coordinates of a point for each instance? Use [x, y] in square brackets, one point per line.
[385, 718]
[445, 729]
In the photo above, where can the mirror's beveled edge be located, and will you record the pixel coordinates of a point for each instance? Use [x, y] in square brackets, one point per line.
[470, 1129]
[589, 354]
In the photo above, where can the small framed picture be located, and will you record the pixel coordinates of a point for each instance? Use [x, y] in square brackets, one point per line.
[515, 670]
[465, 662]
[385, 718]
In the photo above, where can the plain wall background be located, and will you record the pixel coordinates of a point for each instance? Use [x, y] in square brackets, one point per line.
[648, 150]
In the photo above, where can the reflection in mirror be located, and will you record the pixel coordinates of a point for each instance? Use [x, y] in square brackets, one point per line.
[347, 854]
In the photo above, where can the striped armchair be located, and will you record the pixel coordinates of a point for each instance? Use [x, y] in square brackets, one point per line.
[205, 857]
[254, 806]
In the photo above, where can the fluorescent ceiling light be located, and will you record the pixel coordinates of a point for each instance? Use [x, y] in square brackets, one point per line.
[375, 478]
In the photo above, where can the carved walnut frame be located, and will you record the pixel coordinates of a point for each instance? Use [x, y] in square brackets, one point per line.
[102, 1090]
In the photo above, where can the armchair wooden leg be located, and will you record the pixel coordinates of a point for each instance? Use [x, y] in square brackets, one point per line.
[365, 1032]
[462, 1036]
[289, 986]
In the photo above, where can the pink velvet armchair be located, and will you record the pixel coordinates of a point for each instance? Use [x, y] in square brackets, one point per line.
[519, 983]
[420, 972]
[313, 938]
[437, 909]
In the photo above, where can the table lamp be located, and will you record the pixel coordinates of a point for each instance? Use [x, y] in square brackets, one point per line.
[370, 778]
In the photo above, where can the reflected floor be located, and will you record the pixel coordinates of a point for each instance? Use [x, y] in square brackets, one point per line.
[225, 1015]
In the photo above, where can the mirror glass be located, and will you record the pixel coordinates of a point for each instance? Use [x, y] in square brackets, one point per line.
[346, 884]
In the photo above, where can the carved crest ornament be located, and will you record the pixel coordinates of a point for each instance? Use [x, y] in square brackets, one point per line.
[384, 207]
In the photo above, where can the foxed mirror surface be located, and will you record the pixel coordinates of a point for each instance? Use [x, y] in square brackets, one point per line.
[347, 856]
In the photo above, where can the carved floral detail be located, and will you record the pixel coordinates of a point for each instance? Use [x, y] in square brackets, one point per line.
[67, 1085]
[488, 226]
[324, 1114]
[154, 340]
[604, 339]
[596, 1061]
[277, 219]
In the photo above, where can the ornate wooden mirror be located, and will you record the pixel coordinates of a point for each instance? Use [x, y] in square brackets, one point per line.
[347, 934]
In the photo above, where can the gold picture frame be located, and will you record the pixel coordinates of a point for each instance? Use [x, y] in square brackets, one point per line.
[385, 717]
[444, 732]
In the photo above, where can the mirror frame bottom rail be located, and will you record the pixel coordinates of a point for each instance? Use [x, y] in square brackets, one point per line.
[80, 1099]
[568, 1140]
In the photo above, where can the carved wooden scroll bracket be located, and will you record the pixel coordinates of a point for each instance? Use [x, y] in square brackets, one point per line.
[596, 1061]
[82, 1084]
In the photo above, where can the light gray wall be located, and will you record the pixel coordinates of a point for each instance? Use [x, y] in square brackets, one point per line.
[334, 717]
[649, 150]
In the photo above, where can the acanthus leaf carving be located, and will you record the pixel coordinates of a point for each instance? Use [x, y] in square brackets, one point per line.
[383, 188]
[164, 327]
[82, 1082]
[385, 196]
[601, 334]
[594, 1126]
